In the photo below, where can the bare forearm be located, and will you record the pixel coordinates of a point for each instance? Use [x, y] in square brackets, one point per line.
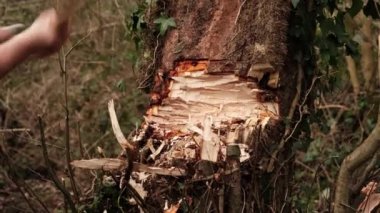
[15, 51]
[44, 37]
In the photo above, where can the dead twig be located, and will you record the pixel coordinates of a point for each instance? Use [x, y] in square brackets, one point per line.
[62, 63]
[338, 106]
[109, 164]
[81, 148]
[296, 99]
[238, 14]
[137, 197]
[51, 172]
[18, 187]
[12, 172]
[123, 142]
[31, 192]
[143, 83]
[129, 148]
[300, 108]
[16, 130]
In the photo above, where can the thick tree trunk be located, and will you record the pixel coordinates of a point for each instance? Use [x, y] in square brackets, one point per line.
[220, 71]
[213, 136]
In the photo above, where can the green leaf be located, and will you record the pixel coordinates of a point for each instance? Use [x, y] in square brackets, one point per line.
[357, 5]
[164, 23]
[295, 3]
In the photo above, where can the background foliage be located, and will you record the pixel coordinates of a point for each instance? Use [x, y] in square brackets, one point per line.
[338, 118]
[98, 70]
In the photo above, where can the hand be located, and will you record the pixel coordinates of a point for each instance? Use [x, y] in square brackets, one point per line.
[48, 32]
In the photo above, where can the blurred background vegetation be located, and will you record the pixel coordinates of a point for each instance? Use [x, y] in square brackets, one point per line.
[101, 67]
[98, 70]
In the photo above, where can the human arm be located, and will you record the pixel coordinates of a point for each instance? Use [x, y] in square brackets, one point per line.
[45, 36]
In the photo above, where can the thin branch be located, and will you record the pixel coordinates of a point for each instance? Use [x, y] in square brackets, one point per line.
[337, 106]
[51, 172]
[238, 14]
[300, 108]
[137, 197]
[18, 187]
[378, 59]
[288, 135]
[24, 196]
[143, 83]
[30, 191]
[67, 127]
[297, 97]
[16, 130]
[81, 148]
[76, 44]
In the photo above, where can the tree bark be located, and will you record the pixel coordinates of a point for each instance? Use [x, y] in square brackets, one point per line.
[225, 55]
[212, 139]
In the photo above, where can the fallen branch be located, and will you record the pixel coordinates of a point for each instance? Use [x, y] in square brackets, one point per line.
[110, 164]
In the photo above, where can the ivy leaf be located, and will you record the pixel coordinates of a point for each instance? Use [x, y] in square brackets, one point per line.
[164, 23]
[357, 5]
[295, 3]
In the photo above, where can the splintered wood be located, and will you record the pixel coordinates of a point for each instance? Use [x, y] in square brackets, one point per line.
[195, 117]
[203, 113]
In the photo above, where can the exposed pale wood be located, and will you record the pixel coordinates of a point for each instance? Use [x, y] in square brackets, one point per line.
[14, 130]
[210, 145]
[158, 151]
[263, 68]
[109, 164]
[204, 104]
[224, 97]
[173, 171]
[116, 128]
[106, 164]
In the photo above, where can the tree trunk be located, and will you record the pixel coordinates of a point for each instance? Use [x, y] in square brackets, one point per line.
[213, 137]
[217, 107]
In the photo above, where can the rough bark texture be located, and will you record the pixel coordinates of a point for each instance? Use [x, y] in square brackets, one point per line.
[211, 137]
[214, 40]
